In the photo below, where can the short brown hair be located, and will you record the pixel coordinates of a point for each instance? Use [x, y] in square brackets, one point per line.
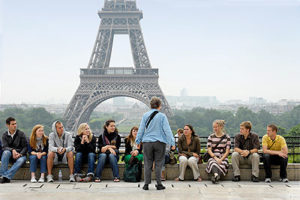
[155, 102]
[247, 125]
[273, 127]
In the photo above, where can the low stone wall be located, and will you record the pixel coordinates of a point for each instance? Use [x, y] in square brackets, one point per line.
[172, 171]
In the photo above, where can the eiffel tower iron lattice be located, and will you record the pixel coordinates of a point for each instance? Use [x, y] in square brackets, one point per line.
[99, 82]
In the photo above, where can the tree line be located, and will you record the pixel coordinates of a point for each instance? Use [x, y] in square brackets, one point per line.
[200, 118]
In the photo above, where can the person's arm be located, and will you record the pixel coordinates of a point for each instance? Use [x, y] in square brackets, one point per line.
[237, 143]
[128, 147]
[51, 143]
[141, 131]
[77, 144]
[70, 143]
[256, 145]
[23, 144]
[92, 145]
[209, 147]
[103, 148]
[5, 143]
[228, 145]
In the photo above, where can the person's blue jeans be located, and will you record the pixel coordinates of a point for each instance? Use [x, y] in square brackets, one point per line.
[103, 159]
[9, 173]
[79, 158]
[34, 162]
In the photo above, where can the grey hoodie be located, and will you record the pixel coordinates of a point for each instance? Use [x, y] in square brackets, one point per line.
[65, 141]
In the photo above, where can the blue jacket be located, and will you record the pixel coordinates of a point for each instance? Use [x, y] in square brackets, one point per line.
[158, 129]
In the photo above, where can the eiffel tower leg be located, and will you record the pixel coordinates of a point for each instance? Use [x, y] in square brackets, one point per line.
[102, 50]
[139, 52]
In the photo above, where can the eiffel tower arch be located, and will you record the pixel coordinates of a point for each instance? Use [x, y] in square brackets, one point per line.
[99, 82]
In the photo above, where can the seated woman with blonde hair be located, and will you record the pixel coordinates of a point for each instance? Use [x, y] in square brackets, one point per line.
[85, 146]
[38, 149]
[188, 151]
[218, 147]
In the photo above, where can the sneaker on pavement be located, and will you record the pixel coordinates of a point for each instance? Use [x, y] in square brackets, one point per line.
[285, 180]
[72, 179]
[41, 180]
[254, 178]
[50, 178]
[268, 180]
[33, 180]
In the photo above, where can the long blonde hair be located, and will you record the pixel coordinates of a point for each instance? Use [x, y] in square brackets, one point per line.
[82, 127]
[32, 141]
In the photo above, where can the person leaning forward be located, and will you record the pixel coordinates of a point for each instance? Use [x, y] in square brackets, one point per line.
[275, 153]
[246, 146]
[61, 148]
[154, 134]
[14, 150]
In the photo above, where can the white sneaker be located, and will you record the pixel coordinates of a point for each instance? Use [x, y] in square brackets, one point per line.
[41, 180]
[285, 180]
[268, 180]
[50, 178]
[72, 179]
[33, 180]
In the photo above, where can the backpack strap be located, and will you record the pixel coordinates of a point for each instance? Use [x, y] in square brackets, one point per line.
[150, 118]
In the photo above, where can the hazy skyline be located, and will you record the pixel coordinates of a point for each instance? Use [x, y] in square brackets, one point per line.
[231, 49]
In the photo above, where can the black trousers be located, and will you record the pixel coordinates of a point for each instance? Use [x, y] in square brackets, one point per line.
[153, 151]
[275, 160]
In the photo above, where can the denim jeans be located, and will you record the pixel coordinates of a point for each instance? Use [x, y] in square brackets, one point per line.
[34, 162]
[80, 158]
[105, 158]
[9, 173]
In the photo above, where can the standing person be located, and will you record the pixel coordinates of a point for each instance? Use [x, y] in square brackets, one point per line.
[155, 133]
[38, 149]
[218, 147]
[60, 150]
[246, 146]
[189, 151]
[275, 153]
[14, 149]
[109, 144]
[85, 147]
[132, 150]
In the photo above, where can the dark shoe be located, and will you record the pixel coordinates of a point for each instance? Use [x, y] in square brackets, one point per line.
[215, 179]
[237, 178]
[4, 180]
[254, 179]
[160, 187]
[146, 187]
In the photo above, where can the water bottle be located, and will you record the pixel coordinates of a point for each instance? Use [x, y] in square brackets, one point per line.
[60, 176]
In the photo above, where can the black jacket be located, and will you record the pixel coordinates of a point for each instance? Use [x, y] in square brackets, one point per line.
[128, 147]
[18, 142]
[86, 147]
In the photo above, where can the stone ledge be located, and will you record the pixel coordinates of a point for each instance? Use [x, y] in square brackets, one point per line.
[172, 171]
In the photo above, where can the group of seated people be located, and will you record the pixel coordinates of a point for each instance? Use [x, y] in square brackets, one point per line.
[59, 147]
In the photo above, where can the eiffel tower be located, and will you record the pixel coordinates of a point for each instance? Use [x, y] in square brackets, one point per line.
[99, 82]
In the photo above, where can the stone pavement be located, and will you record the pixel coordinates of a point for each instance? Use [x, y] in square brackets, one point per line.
[108, 190]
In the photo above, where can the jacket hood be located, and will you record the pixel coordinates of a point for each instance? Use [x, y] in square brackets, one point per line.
[54, 128]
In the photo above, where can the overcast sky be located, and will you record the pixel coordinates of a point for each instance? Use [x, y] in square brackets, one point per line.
[231, 49]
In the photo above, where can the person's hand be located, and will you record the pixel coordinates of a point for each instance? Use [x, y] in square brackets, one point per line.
[39, 155]
[245, 153]
[112, 151]
[195, 155]
[283, 155]
[139, 146]
[134, 153]
[219, 161]
[15, 154]
[182, 154]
